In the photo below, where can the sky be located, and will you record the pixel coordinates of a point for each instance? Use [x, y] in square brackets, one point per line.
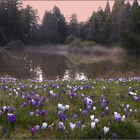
[83, 9]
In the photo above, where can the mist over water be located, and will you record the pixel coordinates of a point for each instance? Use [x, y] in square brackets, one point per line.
[43, 65]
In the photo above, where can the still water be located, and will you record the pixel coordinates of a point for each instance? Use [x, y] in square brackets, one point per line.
[43, 65]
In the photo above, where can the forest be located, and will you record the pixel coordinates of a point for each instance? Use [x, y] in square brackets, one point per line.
[119, 26]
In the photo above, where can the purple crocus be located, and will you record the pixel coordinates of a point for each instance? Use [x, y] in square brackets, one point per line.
[117, 117]
[53, 95]
[103, 114]
[32, 113]
[85, 112]
[37, 111]
[61, 126]
[88, 107]
[12, 118]
[37, 127]
[75, 116]
[78, 124]
[24, 104]
[107, 110]
[32, 130]
[62, 116]
[43, 112]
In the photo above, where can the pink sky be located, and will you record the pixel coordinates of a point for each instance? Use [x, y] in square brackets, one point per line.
[83, 9]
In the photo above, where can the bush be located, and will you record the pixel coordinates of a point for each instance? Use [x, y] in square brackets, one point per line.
[70, 38]
[88, 43]
[76, 42]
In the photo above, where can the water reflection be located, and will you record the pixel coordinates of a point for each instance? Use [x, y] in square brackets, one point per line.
[38, 73]
[77, 76]
[41, 66]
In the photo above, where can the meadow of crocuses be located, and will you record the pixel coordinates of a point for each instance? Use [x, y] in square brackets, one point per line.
[70, 109]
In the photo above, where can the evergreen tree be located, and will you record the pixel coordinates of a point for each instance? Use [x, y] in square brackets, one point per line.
[61, 24]
[116, 21]
[132, 41]
[73, 26]
[9, 20]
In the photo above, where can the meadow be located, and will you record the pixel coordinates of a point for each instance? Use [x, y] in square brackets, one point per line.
[74, 109]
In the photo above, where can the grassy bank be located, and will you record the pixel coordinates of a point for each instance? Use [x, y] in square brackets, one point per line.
[70, 109]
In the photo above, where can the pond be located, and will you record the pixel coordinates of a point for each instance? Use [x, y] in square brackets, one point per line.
[49, 65]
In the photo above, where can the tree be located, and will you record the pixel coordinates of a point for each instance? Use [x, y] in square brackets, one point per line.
[29, 21]
[132, 38]
[73, 26]
[61, 24]
[54, 27]
[106, 27]
[49, 28]
[9, 20]
[107, 8]
[116, 21]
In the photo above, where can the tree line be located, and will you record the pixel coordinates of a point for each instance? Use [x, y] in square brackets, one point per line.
[120, 26]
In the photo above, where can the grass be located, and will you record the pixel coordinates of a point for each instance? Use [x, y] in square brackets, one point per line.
[114, 91]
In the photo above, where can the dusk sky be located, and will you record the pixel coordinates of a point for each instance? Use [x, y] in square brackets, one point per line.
[83, 9]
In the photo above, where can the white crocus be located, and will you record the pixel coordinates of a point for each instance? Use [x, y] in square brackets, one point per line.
[106, 130]
[67, 107]
[96, 121]
[131, 110]
[72, 125]
[59, 106]
[44, 125]
[127, 106]
[115, 113]
[107, 108]
[4, 108]
[92, 117]
[51, 91]
[93, 125]
[94, 108]
[123, 118]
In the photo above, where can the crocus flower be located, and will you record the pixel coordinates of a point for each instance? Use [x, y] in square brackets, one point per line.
[37, 127]
[32, 113]
[94, 108]
[78, 124]
[85, 112]
[67, 107]
[53, 95]
[75, 116]
[92, 125]
[92, 117]
[37, 111]
[4, 108]
[117, 117]
[32, 131]
[72, 125]
[106, 130]
[123, 118]
[44, 125]
[62, 116]
[61, 126]
[61, 107]
[32, 102]
[127, 106]
[88, 107]
[131, 110]
[96, 120]
[107, 110]
[43, 112]
[103, 114]
[12, 118]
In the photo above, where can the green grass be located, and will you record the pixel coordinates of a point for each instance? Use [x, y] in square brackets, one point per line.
[130, 129]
